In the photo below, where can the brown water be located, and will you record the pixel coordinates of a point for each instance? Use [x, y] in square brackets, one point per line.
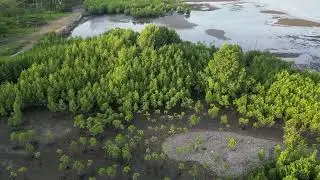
[253, 25]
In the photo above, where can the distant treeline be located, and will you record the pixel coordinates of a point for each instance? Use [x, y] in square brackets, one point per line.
[13, 7]
[137, 8]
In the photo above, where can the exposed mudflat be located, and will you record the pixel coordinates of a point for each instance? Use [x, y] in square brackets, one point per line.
[202, 7]
[55, 131]
[210, 148]
[176, 22]
[297, 22]
[272, 12]
[52, 130]
[220, 34]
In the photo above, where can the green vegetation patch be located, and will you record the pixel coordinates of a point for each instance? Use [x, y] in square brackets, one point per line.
[137, 8]
[14, 28]
[110, 78]
[24, 23]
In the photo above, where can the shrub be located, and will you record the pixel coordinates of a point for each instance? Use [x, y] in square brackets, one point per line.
[194, 171]
[198, 107]
[22, 169]
[198, 141]
[112, 170]
[156, 37]
[83, 141]
[79, 167]
[194, 120]
[102, 172]
[224, 120]
[261, 154]
[29, 148]
[79, 122]
[120, 140]
[126, 169]
[118, 124]
[232, 143]
[206, 165]
[93, 142]
[213, 112]
[243, 121]
[126, 154]
[23, 137]
[64, 162]
[135, 176]
[113, 150]
[181, 166]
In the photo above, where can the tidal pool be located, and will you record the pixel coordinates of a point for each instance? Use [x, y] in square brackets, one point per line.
[251, 24]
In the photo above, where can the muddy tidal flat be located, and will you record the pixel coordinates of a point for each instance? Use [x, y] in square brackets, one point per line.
[211, 148]
[272, 12]
[297, 22]
[220, 34]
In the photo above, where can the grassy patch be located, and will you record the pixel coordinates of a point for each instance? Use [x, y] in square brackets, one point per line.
[25, 23]
[14, 28]
[11, 48]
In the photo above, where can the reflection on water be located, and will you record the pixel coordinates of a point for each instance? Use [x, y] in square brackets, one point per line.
[234, 22]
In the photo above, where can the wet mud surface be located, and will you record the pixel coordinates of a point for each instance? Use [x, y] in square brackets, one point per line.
[211, 148]
[272, 12]
[297, 22]
[202, 7]
[156, 127]
[220, 34]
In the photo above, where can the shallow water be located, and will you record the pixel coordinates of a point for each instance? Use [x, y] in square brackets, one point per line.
[307, 9]
[234, 22]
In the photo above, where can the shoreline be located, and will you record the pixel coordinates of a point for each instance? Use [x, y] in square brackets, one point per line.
[62, 26]
[67, 29]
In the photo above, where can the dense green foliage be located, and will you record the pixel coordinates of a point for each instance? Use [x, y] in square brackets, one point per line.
[224, 75]
[117, 74]
[137, 8]
[111, 72]
[11, 67]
